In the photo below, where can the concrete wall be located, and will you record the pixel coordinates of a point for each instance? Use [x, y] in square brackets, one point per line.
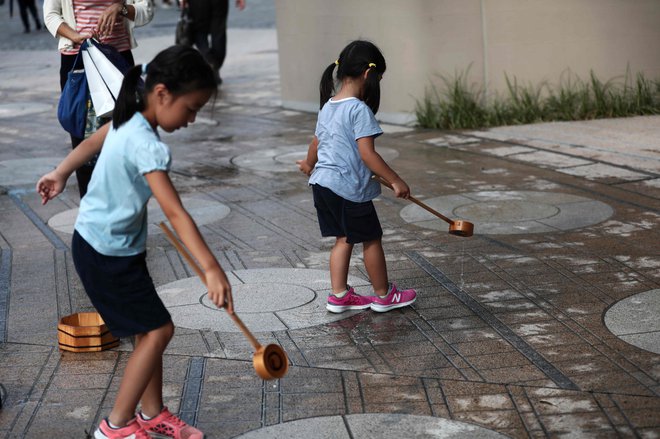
[533, 40]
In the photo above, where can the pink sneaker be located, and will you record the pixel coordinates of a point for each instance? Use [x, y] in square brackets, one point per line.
[395, 298]
[351, 300]
[132, 430]
[166, 425]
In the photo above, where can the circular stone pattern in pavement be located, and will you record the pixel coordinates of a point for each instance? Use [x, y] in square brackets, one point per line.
[283, 158]
[261, 297]
[202, 211]
[266, 299]
[635, 320]
[373, 425]
[511, 212]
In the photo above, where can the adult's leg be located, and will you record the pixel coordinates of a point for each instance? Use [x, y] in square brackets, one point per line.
[33, 11]
[340, 257]
[66, 64]
[201, 41]
[128, 56]
[83, 173]
[219, 35]
[141, 370]
[374, 262]
[200, 13]
[22, 7]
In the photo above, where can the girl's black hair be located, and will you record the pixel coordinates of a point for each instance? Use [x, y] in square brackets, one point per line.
[353, 61]
[180, 68]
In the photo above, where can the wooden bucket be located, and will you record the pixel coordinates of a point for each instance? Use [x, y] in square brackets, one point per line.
[84, 332]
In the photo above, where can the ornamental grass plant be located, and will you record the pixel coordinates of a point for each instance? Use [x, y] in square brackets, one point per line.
[457, 104]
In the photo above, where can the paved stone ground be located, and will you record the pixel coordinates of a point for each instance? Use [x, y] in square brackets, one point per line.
[543, 324]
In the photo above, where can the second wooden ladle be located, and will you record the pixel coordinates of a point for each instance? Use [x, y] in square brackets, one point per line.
[270, 362]
[456, 227]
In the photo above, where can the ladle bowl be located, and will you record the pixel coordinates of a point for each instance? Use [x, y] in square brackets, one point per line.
[461, 228]
[270, 362]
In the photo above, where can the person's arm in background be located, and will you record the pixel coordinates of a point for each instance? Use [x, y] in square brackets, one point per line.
[65, 31]
[143, 11]
[56, 25]
[138, 12]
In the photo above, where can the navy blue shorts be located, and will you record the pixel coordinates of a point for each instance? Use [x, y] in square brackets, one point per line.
[358, 222]
[120, 288]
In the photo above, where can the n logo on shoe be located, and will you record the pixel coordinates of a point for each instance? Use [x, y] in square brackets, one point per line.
[396, 297]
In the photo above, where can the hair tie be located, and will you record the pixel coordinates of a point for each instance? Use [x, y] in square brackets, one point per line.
[144, 68]
[337, 62]
[372, 65]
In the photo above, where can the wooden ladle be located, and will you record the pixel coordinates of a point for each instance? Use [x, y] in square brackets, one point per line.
[270, 362]
[456, 227]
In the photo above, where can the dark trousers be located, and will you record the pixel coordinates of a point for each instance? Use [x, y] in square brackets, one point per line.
[26, 6]
[210, 18]
[84, 173]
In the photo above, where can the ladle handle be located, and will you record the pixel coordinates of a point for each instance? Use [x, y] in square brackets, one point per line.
[253, 341]
[424, 206]
[175, 242]
[182, 250]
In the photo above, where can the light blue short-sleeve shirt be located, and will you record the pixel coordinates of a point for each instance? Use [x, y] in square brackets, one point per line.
[339, 167]
[113, 213]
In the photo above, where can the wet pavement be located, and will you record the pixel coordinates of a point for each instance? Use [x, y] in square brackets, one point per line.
[543, 324]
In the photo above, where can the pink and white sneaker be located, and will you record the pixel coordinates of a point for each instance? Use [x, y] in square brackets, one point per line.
[168, 426]
[351, 300]
[395, 298]
[132, 430]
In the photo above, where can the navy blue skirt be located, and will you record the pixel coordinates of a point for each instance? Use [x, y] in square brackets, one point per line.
[120, 289]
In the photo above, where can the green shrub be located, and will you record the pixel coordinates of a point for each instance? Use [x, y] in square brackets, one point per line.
[460, 105]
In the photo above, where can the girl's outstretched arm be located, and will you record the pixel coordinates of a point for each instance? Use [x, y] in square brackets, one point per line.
[52, 184]
[378, 166]
[168, 198]
[307, 166]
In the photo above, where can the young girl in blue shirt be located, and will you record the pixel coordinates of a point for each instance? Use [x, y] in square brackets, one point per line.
[340, 162]
[109, 241]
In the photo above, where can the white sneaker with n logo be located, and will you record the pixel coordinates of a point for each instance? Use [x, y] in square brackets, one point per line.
[395, 299]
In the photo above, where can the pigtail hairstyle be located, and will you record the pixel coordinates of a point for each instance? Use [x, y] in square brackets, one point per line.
[327, 86]
[130, 99]
[180, 68]
[358, 57]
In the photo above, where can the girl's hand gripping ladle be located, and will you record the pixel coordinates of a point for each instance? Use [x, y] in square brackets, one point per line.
[270, 362]
[456, 227]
